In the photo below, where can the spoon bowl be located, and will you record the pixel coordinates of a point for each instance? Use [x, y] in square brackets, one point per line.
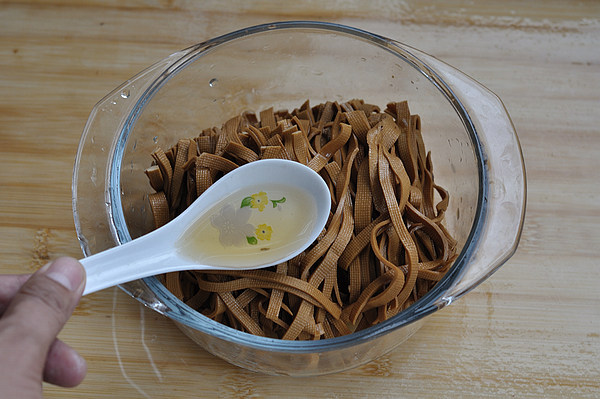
[258, 215]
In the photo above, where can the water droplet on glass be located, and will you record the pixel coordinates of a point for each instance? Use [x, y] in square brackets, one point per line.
[213, 82]
[125, 93]
[94, 175]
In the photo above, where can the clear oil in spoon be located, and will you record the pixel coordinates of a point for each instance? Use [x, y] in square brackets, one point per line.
[253, 227]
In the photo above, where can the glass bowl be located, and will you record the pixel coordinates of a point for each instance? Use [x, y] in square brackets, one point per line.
[475, 149]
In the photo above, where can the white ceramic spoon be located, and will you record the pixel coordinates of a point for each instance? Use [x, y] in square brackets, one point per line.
[258, 215]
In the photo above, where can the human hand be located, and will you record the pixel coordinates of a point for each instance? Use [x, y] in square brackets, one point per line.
[33, 310]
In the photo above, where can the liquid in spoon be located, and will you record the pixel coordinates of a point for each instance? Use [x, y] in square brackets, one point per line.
[256, 226]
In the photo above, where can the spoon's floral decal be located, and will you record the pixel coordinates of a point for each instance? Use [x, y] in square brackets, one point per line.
[263, 232]
[260, 200]
[234, 228]
[257, 201]
[233, 225]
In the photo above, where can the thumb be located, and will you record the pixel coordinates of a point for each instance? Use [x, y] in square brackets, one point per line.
[39, 310]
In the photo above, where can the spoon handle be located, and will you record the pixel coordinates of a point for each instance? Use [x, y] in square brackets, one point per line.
[143, 257]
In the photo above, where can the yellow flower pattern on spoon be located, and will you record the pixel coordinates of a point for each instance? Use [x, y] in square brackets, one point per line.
[259, 201]
[263, 232]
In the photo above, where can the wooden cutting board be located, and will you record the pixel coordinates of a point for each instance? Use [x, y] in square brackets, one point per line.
[531, 330]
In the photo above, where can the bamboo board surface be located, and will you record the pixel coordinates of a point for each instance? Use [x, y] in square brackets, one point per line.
[531, 330]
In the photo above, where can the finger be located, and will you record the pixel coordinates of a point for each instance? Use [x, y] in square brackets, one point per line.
[40, 308]
[64, 366]
[9, 286]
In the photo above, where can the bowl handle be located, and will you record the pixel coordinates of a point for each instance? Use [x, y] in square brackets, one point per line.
[505, 173]
[93, 160]
[95, 150]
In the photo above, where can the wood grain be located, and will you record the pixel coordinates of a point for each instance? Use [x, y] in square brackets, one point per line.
[532, 330]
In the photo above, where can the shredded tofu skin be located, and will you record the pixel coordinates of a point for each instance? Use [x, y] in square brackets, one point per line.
[384, 245]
